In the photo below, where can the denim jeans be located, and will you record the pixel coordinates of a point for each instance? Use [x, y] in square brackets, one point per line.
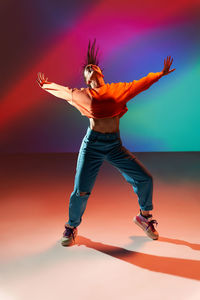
[95, 148]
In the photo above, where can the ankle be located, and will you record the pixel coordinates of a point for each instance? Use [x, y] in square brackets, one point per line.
[145, 213]
[69, 226]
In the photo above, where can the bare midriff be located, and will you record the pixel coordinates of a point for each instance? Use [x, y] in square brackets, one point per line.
[106, 125]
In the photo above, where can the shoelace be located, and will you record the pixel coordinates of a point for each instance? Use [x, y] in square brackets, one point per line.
[151, 224]
[69, 231]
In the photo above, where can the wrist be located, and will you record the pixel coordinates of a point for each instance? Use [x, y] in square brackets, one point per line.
[160, 74]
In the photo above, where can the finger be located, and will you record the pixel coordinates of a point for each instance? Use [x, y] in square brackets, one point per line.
[39, 83]
[39, 75]
[172, 70]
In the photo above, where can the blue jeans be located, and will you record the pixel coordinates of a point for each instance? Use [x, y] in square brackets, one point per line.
[95, 148]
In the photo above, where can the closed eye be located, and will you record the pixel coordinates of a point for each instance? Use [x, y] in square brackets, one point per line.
[89, 68]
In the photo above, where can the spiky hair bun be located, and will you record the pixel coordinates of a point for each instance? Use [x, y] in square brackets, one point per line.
[92, 55]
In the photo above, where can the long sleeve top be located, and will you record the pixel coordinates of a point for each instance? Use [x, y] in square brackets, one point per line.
[106, 101]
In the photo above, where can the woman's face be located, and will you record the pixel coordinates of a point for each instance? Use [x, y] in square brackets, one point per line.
[91, 72]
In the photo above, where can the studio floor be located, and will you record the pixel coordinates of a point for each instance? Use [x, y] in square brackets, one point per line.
[112, 257]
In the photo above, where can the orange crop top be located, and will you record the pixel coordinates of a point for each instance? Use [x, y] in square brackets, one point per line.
[106, 101]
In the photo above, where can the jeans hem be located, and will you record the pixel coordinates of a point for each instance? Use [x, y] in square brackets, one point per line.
[146, 208]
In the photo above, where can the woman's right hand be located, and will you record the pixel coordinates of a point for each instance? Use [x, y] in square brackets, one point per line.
[41, 79]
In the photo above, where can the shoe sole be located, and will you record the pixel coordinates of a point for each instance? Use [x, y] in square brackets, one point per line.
[147, 233]
[67, 243]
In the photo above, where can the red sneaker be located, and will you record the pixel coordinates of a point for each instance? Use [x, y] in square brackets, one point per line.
[147, 224]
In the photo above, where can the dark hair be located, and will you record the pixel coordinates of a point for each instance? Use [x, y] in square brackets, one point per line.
[92, 56]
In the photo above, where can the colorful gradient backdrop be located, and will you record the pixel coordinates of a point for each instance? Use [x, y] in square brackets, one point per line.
[134, 38]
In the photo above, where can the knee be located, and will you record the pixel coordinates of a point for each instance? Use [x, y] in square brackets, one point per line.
[79, 193]
[84, 193]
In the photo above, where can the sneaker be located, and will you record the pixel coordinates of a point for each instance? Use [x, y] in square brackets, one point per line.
[69, 236]
[147, 224]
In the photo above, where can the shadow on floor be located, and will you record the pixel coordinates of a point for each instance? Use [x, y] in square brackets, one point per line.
[180, 242]
[173, 266]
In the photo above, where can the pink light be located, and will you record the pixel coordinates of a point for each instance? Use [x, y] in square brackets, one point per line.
[120, 20]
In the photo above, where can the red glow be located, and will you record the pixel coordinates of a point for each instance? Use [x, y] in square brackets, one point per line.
[128, 20]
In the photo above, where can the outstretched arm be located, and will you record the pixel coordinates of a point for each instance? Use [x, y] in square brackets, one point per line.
[54, 88]
[135, 87]
[145, 82]
[127, 90]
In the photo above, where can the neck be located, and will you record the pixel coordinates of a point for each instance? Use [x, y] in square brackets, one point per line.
[97, 82]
